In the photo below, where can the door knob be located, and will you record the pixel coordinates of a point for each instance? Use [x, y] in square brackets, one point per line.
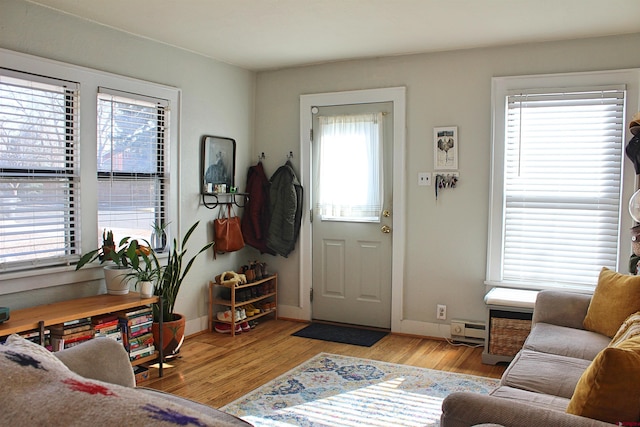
[385, 229]
[386, 213]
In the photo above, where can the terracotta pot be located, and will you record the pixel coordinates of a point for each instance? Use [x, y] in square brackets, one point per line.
[172, 335]
[116, 279]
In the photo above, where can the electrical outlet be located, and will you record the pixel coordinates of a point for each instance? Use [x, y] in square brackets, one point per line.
[441, 314]
[424, 178]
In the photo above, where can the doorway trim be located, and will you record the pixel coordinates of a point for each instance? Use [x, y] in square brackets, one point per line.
[396, 95]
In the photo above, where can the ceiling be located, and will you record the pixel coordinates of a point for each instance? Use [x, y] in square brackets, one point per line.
[270, 34]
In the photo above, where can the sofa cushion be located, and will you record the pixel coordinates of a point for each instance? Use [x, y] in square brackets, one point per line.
[616, 297]
[40, 390]
[608, 390]
[563, 341]
[544, 373]
[541, 400]
[629, 329]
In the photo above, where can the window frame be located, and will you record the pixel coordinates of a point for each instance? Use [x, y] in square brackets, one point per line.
[90, 80]
[500, 88]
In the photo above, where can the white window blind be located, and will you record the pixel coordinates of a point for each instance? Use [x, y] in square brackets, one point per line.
[39, 177]
[562, 185]
[132, 170]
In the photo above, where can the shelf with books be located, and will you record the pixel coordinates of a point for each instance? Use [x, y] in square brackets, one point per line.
[58, 318]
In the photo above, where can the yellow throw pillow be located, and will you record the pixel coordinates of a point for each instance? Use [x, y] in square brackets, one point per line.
[608, 389]
[629, 329]
[616, 297]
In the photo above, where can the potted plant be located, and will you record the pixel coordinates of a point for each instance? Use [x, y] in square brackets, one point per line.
[114, 273]
[172, 278]
[145, 267]
[159, 236]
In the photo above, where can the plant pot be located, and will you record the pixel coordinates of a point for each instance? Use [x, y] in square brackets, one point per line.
[146, 289]
[172, 335]
[116, 279]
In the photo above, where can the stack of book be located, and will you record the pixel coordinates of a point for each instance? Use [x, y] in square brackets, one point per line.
[71, 333]
[34, 336]
[107, 325]
[136, 332]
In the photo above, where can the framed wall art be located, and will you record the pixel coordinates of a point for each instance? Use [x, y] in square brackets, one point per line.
[445, 148]
[218, 163]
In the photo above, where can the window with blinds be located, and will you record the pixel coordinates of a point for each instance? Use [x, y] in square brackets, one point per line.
[562, 184]
[39, 167]
[132, 173]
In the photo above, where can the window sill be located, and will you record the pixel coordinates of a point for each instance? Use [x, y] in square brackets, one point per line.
[566, 287]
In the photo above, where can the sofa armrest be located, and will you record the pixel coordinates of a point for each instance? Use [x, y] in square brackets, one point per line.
[561, 308]
[101, 359]
[464, 409]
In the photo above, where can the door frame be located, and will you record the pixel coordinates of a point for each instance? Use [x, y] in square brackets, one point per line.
[396, 95]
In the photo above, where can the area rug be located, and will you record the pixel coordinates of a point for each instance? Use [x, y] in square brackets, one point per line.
[340, 391]
[341, 334]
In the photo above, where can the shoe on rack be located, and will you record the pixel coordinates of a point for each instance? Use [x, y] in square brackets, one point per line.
[224, 316]
[223, 328]
[245, 326]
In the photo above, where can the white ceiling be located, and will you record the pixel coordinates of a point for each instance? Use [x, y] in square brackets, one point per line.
[270, 34]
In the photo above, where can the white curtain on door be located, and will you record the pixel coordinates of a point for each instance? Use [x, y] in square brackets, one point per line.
[349, 186]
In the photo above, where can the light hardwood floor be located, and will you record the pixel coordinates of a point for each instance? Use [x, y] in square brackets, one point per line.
[215, 369]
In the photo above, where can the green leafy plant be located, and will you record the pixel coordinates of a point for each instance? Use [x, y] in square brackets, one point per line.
[108, 252]
[145, 266]
[173, 275]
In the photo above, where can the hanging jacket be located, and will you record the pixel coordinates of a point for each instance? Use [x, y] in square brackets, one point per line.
[285, 201]
[255, 221]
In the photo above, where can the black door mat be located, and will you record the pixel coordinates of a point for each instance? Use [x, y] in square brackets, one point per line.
[341, 334]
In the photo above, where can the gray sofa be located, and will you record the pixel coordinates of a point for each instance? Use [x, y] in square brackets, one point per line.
[536, 388]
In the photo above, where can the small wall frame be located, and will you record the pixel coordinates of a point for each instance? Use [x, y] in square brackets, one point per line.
[445, 148]
[218, 164]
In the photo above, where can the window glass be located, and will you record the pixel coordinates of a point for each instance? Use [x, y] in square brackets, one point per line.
[130, 164]
[38, 170]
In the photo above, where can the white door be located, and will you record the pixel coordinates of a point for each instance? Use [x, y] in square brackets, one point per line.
[352, 160]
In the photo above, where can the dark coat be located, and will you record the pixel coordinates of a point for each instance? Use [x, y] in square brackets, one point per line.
[285, 201]
[256, 218]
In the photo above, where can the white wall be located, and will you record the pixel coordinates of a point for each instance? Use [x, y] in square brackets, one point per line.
[217, 99]
[446, 239]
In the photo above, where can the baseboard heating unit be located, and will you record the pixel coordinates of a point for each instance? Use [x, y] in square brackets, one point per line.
[468, 331]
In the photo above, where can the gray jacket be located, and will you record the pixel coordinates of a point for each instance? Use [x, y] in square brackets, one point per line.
[285, 201]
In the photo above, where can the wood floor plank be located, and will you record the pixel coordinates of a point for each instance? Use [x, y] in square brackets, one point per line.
[216, 369]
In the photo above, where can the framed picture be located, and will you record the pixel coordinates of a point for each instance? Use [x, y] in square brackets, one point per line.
[445, 148]
[218, 164]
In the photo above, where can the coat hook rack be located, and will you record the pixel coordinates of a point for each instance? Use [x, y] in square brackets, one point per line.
[224, 199]
[261, 157]
[290, 155]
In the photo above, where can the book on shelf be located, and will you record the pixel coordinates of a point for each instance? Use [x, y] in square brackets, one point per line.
[103, 319]
[59, 342]
[74, 336]
[77, 322]
[134, 313]
[107, 328]
[115, 335]
[60, 329]
[139, 342]
[143, 352]
[138, 320]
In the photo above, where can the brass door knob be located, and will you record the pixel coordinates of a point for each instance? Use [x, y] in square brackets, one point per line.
[385, 229]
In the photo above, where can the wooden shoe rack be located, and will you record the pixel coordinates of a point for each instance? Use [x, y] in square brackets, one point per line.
[262, 293]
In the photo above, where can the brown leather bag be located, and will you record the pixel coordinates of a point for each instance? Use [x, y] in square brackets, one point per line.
[228, 235]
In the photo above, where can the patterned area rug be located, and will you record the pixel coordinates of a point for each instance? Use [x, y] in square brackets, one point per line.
[341, 391]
